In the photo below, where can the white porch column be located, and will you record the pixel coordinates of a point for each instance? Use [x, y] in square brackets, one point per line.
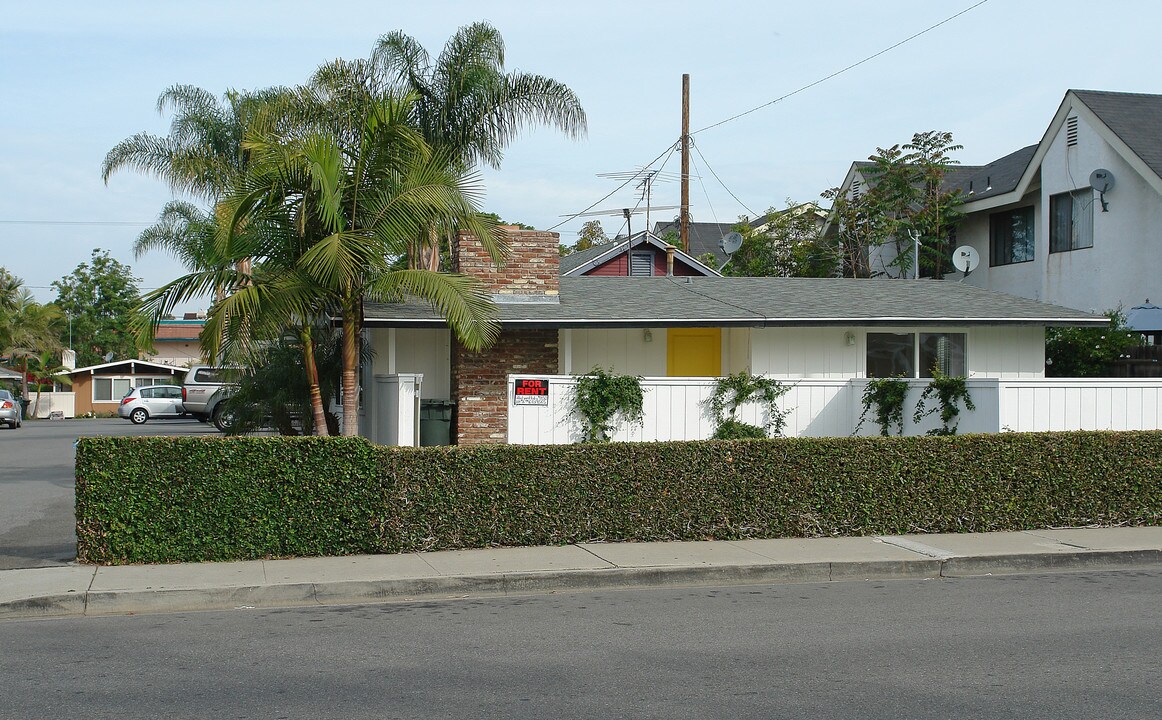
[566, 351]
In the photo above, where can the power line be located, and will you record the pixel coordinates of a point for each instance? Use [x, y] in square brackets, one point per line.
[574, 216]
[736, 198]
[849, 67]
[852, 66]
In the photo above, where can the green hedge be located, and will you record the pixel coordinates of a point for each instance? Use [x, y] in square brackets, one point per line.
[187, 499]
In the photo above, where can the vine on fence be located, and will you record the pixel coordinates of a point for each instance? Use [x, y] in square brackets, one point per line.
[886, 396]
[735, 390]
[948, 390]
[601, 397]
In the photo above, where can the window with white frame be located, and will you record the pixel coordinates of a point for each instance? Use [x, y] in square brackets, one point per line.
[107, 388]
[1071, 221]
[910, 355]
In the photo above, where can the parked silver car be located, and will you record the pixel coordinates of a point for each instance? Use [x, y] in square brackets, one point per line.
[154, 401]
[10, 414]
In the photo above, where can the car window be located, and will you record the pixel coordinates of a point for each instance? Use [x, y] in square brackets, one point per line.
[145, 392]
[171, 393]
[208, 375]
[5, 395]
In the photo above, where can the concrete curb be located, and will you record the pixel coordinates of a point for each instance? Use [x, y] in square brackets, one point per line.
[108, 602]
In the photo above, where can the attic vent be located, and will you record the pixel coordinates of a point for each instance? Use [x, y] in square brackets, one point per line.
[1071, 131]
[641, 263]
[856, 189]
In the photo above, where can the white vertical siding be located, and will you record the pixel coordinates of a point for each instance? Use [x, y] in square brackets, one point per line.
[424, 351]
[621, 350]
[813, 353]
[1006, 352]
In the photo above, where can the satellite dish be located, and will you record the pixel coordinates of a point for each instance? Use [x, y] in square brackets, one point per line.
[1101, 180]
[965, 259]
[109, 356]
[730, 243]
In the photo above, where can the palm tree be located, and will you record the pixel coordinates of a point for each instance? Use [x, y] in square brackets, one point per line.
[467, 106]
[339, 164]
[32, 330]
[203, 154]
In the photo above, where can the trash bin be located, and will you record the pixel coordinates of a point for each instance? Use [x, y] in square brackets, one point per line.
[436, 422]
[23, 407]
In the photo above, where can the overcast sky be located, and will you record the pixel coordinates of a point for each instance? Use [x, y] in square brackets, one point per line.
[78, 77]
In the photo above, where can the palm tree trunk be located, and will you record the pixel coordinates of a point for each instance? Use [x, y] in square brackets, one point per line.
[350, 371]
[432, 250]
[312, 371]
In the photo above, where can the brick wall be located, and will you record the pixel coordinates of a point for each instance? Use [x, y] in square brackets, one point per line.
[533, 266]
[480, 382]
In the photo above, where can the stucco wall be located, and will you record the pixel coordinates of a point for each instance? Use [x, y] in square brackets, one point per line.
[1123, 267]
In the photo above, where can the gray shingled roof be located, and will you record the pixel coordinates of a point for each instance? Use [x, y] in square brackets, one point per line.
[572, 261]
[1001, 175]
[755, 302]
[1136, 118]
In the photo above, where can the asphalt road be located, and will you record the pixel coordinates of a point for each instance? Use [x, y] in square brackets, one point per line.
[1081, 645]
[37, 524]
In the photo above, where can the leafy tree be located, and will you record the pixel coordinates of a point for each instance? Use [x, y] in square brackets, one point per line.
[790, 245]
[1087, 352]
[905, 201]
[467, 107]
[591, 234]
[100, 296]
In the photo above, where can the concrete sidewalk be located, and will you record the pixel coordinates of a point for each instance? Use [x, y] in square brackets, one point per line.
[87, 590]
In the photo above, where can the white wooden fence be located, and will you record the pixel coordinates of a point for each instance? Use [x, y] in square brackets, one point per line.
[675, 408]
[49, 402]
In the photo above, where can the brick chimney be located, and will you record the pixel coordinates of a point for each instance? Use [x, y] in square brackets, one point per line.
[480, 380]
[532, 272]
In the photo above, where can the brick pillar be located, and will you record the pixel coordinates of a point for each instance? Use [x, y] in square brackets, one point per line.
[480, 382]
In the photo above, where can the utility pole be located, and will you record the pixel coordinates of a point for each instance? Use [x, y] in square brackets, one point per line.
[684, 213]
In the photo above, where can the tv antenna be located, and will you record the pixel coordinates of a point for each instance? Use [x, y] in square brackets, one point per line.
[645, 184]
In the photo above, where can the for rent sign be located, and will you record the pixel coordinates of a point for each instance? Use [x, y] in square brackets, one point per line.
[530, 391]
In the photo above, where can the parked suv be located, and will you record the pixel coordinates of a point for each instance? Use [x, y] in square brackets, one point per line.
[153, 401]
[204, 389]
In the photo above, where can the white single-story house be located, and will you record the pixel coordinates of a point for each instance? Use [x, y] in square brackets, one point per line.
[796, 329]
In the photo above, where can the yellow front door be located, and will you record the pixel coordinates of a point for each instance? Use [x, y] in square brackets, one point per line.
[694, 352]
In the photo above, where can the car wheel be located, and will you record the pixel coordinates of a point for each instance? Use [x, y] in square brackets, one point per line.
[138, 416]
[222, 419]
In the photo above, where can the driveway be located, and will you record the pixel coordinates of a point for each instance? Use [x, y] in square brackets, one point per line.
[37, 524]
